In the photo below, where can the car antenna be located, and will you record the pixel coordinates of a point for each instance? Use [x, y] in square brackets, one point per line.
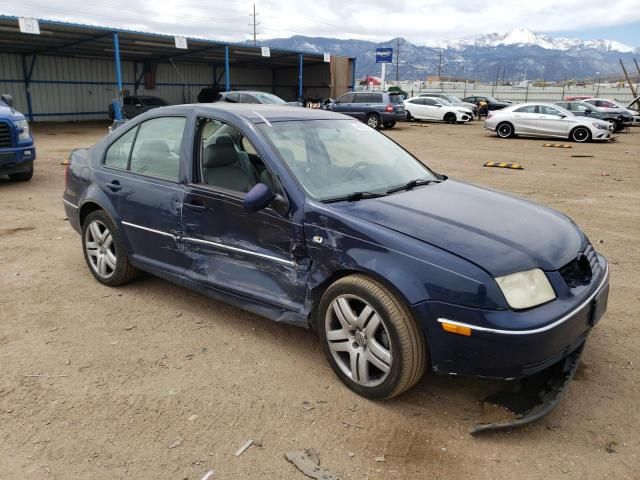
[182, 78]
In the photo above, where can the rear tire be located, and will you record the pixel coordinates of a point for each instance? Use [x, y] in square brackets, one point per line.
[105, 252]
[22, 176]
[450, 118]
[370, 338]
[389, 124]
[504, 130]
[409, 117]
[373, 120]
[580, 135]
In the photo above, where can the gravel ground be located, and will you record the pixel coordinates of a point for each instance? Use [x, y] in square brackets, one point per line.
[154, 381]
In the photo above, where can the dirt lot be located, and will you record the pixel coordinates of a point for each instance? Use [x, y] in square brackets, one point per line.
[152, 381]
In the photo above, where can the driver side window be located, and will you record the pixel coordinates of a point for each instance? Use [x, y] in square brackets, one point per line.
[228, 160]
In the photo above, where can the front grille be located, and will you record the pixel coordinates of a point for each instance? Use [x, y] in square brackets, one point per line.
[5, 135]
[582, 269]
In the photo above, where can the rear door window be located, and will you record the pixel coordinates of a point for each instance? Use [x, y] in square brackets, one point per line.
[526, 109]
[361, 98]
[157, 148]
[232, 98]
[429, 101]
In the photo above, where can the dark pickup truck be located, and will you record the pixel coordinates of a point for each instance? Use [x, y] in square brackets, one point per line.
[17, 151]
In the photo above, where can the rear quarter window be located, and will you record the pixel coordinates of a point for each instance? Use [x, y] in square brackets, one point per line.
[117, 155]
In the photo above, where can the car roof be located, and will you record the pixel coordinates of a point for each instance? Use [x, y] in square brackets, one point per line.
[246, 91]
[255, 113]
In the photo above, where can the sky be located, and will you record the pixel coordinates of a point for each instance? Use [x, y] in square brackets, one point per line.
[419, 21]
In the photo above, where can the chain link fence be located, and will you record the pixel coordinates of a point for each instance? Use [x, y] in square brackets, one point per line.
[524, 93]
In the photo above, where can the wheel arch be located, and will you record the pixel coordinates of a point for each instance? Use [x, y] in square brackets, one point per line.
[317, 291]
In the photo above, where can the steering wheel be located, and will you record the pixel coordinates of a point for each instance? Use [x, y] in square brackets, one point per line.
[354, 168]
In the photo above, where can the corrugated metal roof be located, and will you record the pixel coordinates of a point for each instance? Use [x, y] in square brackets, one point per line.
[72, 39]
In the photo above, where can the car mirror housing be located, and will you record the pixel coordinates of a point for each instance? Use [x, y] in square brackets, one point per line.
[588, 110]
[259, 197]
[7, 99]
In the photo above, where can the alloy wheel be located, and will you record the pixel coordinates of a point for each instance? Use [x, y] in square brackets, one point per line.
[580, 134]
[373, 121]
[100, 248]
[358, 340]
[504, 130]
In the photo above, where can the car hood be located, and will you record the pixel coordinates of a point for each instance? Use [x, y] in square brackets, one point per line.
[498, 232]
[9, 113]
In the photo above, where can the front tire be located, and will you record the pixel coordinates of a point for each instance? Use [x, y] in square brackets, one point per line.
[409, 117]
[581, 134]
[450, 118]
[373, 120]
[370, 338]
[504, 130]
[104, 251]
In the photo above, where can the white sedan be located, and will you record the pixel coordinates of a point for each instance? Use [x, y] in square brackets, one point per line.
[546, 120]
[426, 108]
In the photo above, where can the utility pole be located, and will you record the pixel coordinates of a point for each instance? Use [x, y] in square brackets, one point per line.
[440, 65]
[633, 90]
[398, 59]
[637, 68]
[254, 24]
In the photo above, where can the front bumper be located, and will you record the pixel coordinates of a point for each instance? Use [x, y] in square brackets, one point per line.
[16, 159]
[493, 350]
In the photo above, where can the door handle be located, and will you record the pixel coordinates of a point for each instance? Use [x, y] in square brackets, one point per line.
[195, 206]
[114, 186]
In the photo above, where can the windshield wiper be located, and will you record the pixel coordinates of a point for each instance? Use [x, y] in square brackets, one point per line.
[355, 196]
[412, 184]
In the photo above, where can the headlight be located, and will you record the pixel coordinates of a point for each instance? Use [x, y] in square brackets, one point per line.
[526, 289]
[22, 124]
[601, 127]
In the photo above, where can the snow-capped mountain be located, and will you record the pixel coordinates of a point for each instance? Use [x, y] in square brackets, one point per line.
[525, 37]
[508, 55]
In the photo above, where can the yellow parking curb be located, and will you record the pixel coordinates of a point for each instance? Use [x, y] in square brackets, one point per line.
[513, 166]
[557, 145]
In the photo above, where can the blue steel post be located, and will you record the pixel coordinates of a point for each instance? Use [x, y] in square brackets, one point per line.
[353, 75]
[116, 53]
[227, 85]
[27, 84]
[300, 78]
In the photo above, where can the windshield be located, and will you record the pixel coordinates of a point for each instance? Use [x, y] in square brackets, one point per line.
[335, 158]
[268, 98]
[493, 100]
[453, 98]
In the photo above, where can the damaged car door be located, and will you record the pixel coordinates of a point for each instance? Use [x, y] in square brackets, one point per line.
[141, 180]
[252, 254]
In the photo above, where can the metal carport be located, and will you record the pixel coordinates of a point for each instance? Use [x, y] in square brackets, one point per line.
[72, 71]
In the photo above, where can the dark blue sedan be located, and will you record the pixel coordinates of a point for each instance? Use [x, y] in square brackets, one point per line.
[312, 218]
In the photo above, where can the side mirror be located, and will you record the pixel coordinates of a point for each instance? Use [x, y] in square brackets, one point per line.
[438, 105]
[588, 110]
[8, 99]
[562, 115]
[259, 197]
